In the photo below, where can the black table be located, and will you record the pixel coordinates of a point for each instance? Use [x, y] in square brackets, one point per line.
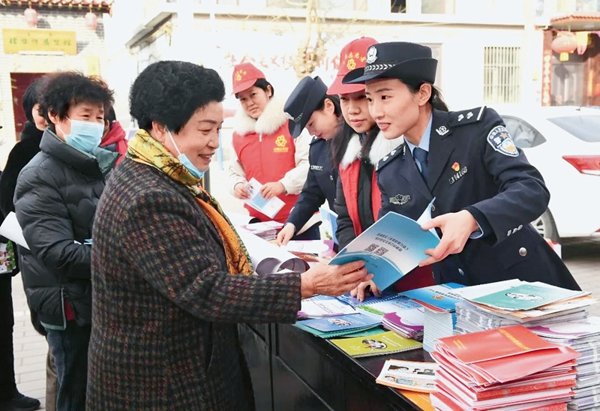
[294, 370]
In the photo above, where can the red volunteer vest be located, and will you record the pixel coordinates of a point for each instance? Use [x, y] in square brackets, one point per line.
[267, 158]
[349, 178]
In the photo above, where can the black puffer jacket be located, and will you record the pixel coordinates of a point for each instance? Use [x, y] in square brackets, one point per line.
[55, 201]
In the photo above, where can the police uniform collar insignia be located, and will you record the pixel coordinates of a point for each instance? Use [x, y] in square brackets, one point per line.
[501, 141]
[371, 55]
[400, 199]
[461, 118]
[442, 130]
[401, 149]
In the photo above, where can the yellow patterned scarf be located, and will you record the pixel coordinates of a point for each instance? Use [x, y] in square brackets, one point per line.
[144, 149]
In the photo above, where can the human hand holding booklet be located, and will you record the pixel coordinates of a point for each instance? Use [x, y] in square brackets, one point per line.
[392, 247]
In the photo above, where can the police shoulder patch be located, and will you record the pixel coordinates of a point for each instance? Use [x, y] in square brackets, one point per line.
[400, 150]
[501, 141]
[460, 118]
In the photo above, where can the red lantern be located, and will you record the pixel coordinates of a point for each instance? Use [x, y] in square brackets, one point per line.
[564, 42]
[31, 17]
[91, 21]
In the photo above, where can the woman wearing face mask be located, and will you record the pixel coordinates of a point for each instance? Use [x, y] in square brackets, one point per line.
[55, 202]
[320, 114]
[171, 276]
[263, 147]
[486, 192]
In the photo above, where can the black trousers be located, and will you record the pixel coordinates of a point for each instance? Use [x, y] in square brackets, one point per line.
[7, 321]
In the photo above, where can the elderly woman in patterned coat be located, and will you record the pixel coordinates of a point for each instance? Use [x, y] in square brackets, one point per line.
[170, 275]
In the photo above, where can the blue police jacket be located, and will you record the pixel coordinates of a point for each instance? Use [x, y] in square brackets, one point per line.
[474, 165]
[319, 186]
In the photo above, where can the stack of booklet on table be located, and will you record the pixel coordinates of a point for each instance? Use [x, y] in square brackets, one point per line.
[584, 337]
[508, 368]
[394, 311]
[556, 314]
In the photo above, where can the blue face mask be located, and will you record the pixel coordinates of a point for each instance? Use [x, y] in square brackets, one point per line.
[196, 172]
[85, 135]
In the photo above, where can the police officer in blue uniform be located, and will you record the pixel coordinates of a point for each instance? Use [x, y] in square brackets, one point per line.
[309, 97]
[484, 191]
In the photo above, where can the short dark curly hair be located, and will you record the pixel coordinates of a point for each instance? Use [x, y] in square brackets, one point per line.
[69, 88]
[32, 95]
[169, 92]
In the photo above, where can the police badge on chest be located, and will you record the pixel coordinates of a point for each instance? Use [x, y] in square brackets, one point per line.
[400, 199]
[459, 171]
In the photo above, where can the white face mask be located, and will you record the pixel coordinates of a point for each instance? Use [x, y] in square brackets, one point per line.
[195, 171]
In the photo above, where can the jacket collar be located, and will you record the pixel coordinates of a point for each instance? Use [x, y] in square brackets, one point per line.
[101, 163]
[381, 146]
[440, 147]
[271, 119]
[30, 132]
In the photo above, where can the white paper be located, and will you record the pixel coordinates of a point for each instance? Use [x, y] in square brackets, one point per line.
[269, 258]
[268, 207]
[11, 229]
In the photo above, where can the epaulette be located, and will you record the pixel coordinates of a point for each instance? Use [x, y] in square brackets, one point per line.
[400, 150]
[460, 118]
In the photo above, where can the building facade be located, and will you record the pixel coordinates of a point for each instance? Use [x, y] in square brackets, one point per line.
[39, 37]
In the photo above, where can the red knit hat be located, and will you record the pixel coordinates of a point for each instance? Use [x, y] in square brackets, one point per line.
[353, 56]
[245, 76]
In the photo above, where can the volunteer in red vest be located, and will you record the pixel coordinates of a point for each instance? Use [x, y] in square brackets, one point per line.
[263, 147]
[357, 151]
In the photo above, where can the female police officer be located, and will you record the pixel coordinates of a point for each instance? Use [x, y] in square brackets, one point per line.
[309, 106]
[485, 190]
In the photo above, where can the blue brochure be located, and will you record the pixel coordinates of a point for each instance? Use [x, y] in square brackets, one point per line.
[342, 322]
[391, 248]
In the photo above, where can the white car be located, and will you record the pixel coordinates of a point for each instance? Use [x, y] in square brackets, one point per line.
[563, 143]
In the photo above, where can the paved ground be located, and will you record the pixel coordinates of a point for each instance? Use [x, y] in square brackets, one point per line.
[582, 258]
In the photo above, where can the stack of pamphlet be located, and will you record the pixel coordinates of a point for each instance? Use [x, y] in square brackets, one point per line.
[439, 316]
[394, 311]
[324, 306]
[508, 368]
[338, 326]
[513, 302]
[584, 337]
[556, 314]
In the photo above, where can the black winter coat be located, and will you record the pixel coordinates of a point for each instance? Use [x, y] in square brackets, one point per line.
[19, 156]
[55, 201]
[319, 186]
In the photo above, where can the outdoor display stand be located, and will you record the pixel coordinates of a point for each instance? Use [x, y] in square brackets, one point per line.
[293, 370]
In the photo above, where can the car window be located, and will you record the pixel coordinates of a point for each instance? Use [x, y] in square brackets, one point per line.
[585, 128]
[523, 134]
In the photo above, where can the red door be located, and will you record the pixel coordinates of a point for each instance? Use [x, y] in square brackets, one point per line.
[19, 83]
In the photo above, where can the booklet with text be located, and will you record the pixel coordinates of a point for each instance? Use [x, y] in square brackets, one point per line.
[269, 258]
[391, 247]
[268, 207]
[387, 342]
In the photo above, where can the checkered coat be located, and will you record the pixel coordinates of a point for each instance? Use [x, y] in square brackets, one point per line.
[164, 334]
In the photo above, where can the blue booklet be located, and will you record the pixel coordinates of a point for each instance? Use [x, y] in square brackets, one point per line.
[436, 297]
[392, 247]
[526, 296]
[341, 323]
